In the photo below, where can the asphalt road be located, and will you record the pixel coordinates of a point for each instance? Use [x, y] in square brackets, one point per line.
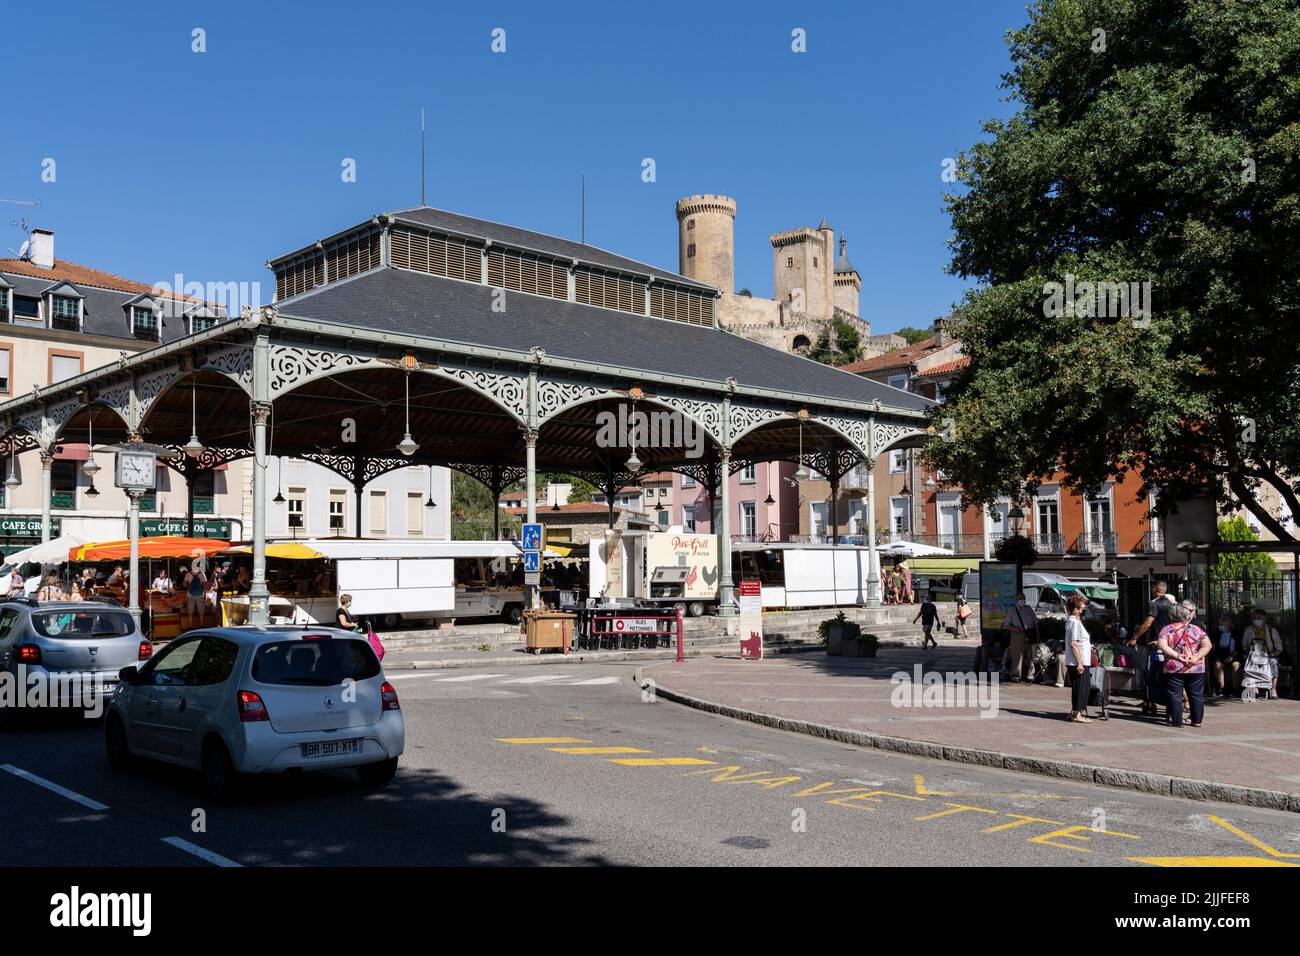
[570, 765]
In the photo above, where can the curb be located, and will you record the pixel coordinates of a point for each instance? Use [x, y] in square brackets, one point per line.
[1112, 777]
[579, 657]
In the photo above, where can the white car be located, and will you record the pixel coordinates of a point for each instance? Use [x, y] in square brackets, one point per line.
[251, 700]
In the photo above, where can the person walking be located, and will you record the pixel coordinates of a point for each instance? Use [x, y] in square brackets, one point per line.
[1078, 658]
[963, 614]
[928, 616]
[17, 584]
[1185, 647]
[908, 594]
[1148, 659]
[1022, 622]
[195, 582]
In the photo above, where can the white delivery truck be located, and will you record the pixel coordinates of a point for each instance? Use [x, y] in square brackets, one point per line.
[655, 567]
[804, 575]
[392, 581]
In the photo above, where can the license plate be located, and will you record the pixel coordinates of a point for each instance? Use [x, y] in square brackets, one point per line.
[332, 748]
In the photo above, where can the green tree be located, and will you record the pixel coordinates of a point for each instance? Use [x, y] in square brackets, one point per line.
[848, 344]
[1238, 567]
[913, 334]
[472, 508]
[1164, 150]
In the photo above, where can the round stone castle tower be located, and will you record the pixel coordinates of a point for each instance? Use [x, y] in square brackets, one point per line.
[705, 240]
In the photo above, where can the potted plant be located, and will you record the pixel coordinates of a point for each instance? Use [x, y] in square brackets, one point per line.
[867, 645]
[832, 632]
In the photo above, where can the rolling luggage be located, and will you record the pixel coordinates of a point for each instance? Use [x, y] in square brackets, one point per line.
[1099, 692]
[1257, 674]
[1044, 670]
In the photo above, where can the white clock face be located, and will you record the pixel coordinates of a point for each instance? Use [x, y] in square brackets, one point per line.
[137, 471]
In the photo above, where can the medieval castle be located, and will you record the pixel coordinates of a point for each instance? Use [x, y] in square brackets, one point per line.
[809, 290]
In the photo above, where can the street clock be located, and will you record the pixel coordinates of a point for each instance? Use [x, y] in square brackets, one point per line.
[137, 469]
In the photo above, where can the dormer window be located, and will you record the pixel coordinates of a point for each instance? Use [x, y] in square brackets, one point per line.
[65, 313]
[201, 321]
[144, 323]
[6, 308]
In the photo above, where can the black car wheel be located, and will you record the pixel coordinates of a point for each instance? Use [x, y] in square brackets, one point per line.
[115, 746]
[220, 779]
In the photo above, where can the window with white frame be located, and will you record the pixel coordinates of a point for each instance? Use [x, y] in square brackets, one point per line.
[900, 515]
[338, 505]
[297, 507]
[5, 308]
[688, 481]
[5, 354]
[201, 321]
[65, 312]
[688, 517]
[897, 461]
[747, 475]
[748, 519]
[144, 322]
[898, 381]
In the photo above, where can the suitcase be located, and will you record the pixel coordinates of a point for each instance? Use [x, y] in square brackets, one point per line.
[1099, 691]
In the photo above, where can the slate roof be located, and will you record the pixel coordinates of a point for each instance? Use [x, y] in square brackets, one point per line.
[410, 303]
[104, 296]
[536, 241]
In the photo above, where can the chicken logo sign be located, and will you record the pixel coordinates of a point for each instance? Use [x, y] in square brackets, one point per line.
[751, 620]
[752, 647]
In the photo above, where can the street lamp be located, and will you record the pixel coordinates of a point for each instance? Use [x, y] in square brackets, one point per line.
[91, 467]
[408, 446]
[1016, 518]
[194, 447]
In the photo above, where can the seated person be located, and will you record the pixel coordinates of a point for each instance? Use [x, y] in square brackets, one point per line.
[1226, 657]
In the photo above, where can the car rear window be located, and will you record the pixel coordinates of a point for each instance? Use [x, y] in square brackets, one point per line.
[317, 663]
[87, 624]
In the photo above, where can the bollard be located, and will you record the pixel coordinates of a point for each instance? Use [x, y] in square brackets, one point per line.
[681, 651]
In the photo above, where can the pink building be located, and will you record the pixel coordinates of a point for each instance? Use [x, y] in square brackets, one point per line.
[764, 501]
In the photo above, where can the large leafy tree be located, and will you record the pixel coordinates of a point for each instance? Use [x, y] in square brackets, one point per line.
[1155, 141]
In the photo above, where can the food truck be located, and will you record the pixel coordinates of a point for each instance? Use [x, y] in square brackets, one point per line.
[655, 567]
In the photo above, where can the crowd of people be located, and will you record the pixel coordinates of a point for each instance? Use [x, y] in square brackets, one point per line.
[200, 586]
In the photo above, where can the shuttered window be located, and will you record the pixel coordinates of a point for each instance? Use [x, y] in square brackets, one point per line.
[681, 305]
[352, 255]
[610, 291]
[436, 255]
[524, 273]
[300, 275]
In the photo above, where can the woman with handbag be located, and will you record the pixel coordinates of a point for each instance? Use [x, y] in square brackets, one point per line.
[963, 612]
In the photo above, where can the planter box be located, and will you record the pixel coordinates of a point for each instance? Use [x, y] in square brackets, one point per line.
[835, 640]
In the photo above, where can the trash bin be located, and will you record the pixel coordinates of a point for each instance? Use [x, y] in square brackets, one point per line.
[548, 629]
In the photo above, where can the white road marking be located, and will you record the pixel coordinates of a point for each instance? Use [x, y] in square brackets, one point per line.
[54, 787]
[538, 679]
[465, 677]
[596, 680]
[216, 859]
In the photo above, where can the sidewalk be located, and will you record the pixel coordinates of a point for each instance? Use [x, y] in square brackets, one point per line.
[1244, 753]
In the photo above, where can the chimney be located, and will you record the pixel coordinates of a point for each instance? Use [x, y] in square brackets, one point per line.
[940, 334]
[41, 251]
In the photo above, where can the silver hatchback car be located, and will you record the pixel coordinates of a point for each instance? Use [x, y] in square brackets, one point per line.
[64, 654]
[233, 701]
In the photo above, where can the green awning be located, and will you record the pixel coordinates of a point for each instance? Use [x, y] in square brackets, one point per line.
[942, 565]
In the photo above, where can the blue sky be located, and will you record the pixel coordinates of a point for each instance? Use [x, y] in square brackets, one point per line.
[209, 164]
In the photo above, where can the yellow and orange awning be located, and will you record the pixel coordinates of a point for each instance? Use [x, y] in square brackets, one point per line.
[160, 547]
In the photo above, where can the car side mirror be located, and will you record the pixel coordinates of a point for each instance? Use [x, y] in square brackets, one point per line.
[129, 675]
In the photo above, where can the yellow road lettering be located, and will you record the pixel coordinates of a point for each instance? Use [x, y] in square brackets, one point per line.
[1207, 861]
[873, 796]
[956, 808]
[924, 791]
[1073, 833]
[1021, 820]
[1257, 844]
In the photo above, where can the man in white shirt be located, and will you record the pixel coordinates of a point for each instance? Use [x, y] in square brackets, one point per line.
[1022, 622]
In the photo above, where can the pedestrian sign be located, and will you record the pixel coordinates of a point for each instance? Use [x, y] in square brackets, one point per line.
[532, 562]
[532, 537]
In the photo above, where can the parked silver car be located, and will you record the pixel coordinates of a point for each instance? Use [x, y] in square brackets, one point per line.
[236, 701]
[64, 654]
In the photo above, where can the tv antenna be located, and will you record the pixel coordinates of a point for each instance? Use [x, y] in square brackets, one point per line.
[422, 155]
[23, 224]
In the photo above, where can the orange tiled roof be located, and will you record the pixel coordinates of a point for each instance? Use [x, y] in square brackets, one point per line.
[82, 275]
[895, 359]
[946, 368]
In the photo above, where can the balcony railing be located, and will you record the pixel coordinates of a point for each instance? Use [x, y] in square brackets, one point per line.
[1048, 543]
[65, 323]
[1153, 542]
[63, 499]
[149, 502]
[203, 505]
[1097, 542]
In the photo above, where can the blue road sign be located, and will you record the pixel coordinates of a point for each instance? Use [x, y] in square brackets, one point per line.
[532, 537]
[532, 561]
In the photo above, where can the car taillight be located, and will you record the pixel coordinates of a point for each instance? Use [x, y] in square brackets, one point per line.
[28, 653]
[146, 650]
[251, 707]
[389, 695]
[317, 637]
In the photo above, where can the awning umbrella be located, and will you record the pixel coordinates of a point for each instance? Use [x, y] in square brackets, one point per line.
[290, 550]
[911, 549]
[51, 552]
[161, 547]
